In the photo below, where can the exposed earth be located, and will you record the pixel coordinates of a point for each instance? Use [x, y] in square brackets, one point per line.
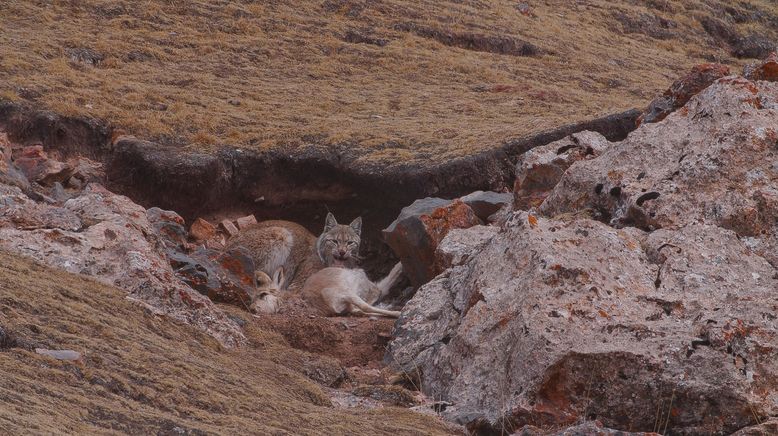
[583, 196]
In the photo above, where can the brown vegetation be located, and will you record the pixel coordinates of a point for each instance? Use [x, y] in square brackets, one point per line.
[399, 79]
[143, 374]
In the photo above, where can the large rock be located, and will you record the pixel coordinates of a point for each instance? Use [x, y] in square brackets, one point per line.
[9, 172]
[37, 167]
[539, 170]
[713, 161]
[553, 321]
[460, 245]
[682, 90]
[226, 277]
[201, 230]
[416, 233]
[588, 428]
[107, 236]
[765, 70]
[662, 309]
[487, 203]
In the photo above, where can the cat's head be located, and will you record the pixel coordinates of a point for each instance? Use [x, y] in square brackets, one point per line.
[338, 245]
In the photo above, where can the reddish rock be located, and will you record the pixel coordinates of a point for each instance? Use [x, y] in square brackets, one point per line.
[246, 221]
[228, 227]
[84, 171]
[226, 277]
[168, 227]
[107, 236]
[765, 70]
[669, 296]
[201, 230]
[37, 167]
[416, 233]
[216, 243]
[539, 169]
[9, 173]
[682, 90]
[525, 9]
[553, 320]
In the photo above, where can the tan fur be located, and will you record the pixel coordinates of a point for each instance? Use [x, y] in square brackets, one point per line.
[278, 244]
[339, 291]
[265, 299]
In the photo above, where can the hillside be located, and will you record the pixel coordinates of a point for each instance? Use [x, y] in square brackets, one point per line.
[143, 374]
[397, 80]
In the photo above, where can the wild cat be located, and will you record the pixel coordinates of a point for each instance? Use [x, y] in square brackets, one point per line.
[297, 252]
[339, 291]
[265, 298]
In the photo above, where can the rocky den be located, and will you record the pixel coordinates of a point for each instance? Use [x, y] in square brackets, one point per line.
[270, 267]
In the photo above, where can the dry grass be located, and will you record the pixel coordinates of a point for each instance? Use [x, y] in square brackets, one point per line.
[174, 70]
[141, 374]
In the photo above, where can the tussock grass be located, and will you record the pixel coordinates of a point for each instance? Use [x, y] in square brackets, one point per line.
[141, 374]
[280, 73]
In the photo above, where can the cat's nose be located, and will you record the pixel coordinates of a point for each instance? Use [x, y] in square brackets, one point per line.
[342, 253]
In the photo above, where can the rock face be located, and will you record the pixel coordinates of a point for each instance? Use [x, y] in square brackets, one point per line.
[660, 310]
[226, 277]
[765, 70]
[539, 170]
[107, 236]
[682, 90]
[416, 233]
[714, 161]
[589, 428]
[486, 203]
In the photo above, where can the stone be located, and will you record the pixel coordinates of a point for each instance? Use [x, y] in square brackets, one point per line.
[106, 236]
[199, 274]
[713, 161]
[539, 169]
[60, 354]
[10, 173]
[169, 227]
[226, 277]
[37, 167]
[768, 427]
[588, 428]
[525, 9]
[556, 320]
[416, 233]
[201, 230]
[391, 395]
[228, 227]
[683, 89]
[647, 275]
[246, 221]
[460, 245]
[487, 203]
[84, 171]
[765, 70]
[753, 46]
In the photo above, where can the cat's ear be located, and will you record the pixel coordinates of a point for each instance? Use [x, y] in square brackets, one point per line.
[357, 225]
[330, 222]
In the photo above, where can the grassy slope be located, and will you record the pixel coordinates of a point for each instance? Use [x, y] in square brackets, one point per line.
[141, 374]
[171, 67]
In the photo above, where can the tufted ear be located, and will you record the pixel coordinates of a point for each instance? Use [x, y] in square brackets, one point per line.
[357, 225]
[278, 278]
[263, 279]
[330, 222]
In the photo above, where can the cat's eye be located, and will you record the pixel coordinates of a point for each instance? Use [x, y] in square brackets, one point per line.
[351, 243]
